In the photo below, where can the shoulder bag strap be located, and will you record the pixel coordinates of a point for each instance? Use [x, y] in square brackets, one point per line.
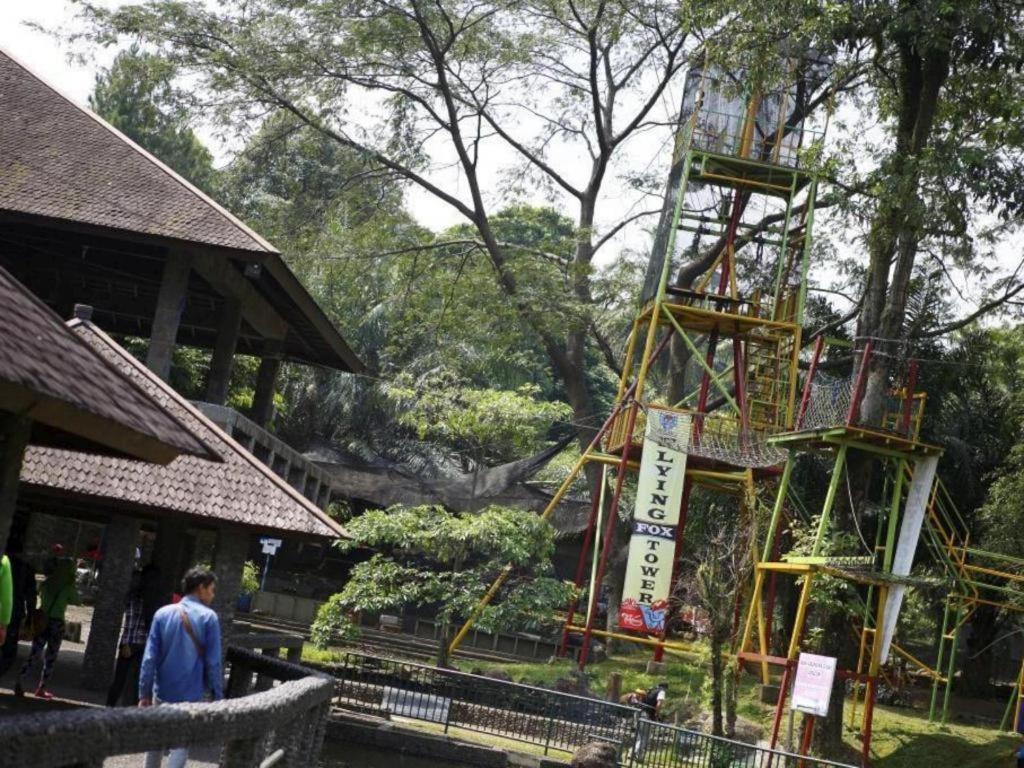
[190, 632]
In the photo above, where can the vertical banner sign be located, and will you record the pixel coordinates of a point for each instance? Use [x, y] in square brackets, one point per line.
[652, 547]
[812, 688]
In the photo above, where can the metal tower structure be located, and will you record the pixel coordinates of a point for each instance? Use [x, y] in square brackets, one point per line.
[743, 187]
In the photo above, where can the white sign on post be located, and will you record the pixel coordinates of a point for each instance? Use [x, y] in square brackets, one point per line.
[270, 546]
[812, 688]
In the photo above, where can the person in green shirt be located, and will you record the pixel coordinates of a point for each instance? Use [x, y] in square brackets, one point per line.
[6, 597]
[57, 592]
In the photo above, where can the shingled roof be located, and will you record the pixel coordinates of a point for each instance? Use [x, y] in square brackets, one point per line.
[104, 178]
[63, 166]
[240, 490]
[50, 375]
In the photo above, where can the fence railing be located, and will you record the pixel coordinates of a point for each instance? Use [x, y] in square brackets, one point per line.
[658, 745]
[553, 720]
[549, 719]
[283, 726]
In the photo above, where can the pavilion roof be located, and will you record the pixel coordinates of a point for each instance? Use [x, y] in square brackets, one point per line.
[74, 394]
[240, 489]
[63, 166]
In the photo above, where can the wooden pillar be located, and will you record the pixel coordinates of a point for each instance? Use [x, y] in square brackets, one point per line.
[228, 562]
[223, 357]
[14, 433]
[170, 303]
[120, 539]
[266, 380]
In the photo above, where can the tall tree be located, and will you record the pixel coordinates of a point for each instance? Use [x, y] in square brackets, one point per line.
[137, 96]
[430, 91]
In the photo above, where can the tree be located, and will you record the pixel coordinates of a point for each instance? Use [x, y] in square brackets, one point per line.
[428, 557]
[721, 571]
[563, 86]
[136, 95]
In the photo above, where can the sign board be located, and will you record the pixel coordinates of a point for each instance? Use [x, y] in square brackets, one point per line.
[416, 704]
[812, 688]
[270, 546]
[652, 547]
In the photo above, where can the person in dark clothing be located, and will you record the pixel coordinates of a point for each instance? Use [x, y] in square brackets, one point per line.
[650, 706]
[1019, 754]
[144, 599]
[23, 576]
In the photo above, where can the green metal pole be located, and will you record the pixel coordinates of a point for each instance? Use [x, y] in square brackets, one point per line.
[830, 499]
[699, 357]
[812, 194]
[952, 665]
[894, 515]
[780, 499]
[777, 293]
[938, 663]
[1009, 708]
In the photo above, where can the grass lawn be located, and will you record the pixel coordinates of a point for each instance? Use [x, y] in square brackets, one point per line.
[902, 738]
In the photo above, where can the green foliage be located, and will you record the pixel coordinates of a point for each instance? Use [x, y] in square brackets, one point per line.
[491, 425]
[426, 556]
[250, 578]
[137, 96]
[333, 622]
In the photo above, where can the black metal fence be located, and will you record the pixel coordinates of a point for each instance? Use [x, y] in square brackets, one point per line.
[658, 745]
[550, 719]
[546, 718]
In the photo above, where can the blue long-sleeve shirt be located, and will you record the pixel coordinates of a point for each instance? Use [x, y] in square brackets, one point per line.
[172, 667]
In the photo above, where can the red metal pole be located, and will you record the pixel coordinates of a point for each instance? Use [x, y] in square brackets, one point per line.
[805, 742]
[805, 398]
[780, 706]
[581, 568]
[613, 508]
[684, 508]
[770, 607]
[858, 389]
[908, 400]
[705, 385]
[739, 376]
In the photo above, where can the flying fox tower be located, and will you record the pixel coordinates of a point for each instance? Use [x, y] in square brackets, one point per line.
[710, 365]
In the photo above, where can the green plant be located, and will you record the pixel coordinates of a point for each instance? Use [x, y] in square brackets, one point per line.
[250, 578]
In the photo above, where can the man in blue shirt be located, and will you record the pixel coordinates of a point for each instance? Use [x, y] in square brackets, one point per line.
[182, 657]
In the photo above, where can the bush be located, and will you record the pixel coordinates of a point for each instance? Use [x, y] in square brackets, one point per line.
[333, 621]
[250, 578]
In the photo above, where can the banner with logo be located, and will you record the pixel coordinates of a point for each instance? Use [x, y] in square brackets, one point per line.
[652, 546]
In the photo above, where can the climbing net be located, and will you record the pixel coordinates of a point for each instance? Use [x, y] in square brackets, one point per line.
[719, 438]
[829, 402]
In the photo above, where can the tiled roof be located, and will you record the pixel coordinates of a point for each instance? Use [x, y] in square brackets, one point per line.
[241, 489]
[61, 161]
[49, 374]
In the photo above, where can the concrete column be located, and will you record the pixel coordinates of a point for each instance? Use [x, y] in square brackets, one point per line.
[120, 540]
[170, 303]
[266, 380]
[169, 554]
[223, 357]
[228, 561]
[14, 433]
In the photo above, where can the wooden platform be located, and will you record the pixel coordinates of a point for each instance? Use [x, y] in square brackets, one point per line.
[858, 438]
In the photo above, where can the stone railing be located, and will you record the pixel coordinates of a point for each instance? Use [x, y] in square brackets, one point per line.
[283, 726]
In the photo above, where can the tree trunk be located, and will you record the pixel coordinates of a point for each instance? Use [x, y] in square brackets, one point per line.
[976, 672]
[717, 675]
